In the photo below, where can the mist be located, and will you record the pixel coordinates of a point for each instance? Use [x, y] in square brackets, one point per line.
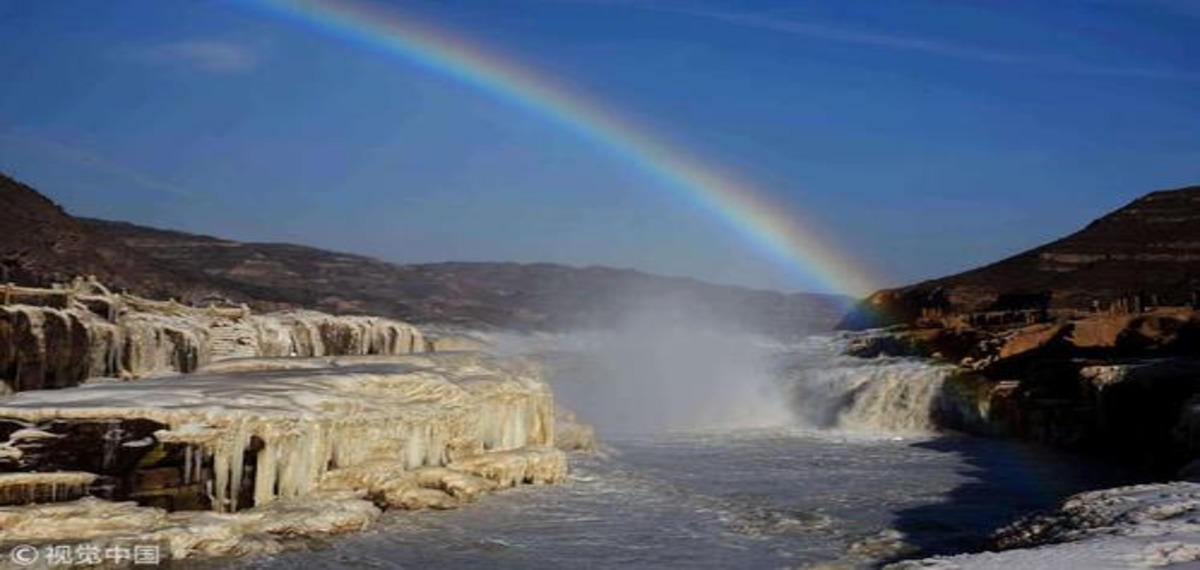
[663, 367]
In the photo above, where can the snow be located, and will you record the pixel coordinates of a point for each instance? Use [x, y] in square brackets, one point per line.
[1140, 526]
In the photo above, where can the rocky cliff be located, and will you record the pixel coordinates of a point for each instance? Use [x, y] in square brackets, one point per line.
[1089, 342]
[1146, 253]
[1123, 385]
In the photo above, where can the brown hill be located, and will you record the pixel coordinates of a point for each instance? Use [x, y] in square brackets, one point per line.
[40, 244]
[541, 296]
[1145, 253]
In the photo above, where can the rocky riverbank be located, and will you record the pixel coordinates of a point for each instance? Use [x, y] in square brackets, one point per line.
[1091, 341]
[1120, 384]
[1145, 526]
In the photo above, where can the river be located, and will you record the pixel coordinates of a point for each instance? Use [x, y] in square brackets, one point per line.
[852, 478]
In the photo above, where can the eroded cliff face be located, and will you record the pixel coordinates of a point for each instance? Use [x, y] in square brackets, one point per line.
[69, 338]
[256, 436]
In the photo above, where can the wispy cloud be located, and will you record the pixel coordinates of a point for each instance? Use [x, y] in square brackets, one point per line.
[77, 156]
[1185, 8]
[209, 56]
[782, 22]
[821, 31]
[1049, 62]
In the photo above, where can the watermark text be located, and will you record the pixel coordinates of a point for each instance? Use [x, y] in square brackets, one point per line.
[86, 555]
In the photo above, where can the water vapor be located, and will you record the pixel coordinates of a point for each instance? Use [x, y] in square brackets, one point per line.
[664, 366]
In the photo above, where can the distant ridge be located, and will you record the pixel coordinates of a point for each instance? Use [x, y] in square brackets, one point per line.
[40, 243]
[1147, 252]
[536, 296]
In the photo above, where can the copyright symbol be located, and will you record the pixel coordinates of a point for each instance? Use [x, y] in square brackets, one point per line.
[23, 555]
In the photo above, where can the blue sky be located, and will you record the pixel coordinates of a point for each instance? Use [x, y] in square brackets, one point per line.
[930, 137]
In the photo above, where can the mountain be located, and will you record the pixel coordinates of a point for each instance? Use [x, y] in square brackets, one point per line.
[536, 296]
[40, 243]
[1145, 253]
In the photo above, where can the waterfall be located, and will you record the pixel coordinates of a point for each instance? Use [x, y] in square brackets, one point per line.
[648, 377]
[829, 390]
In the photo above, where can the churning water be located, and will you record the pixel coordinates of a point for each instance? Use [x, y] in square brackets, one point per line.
[848, 481]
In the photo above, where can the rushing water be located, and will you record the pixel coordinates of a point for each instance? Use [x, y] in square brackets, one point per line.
[842, 488]
[745, 499]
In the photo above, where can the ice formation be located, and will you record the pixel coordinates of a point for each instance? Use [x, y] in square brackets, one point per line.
[105, 335]
[1142, 526]
[259, 436]
[43, 487]
[290, 423]
[293, 426]
[185, 534]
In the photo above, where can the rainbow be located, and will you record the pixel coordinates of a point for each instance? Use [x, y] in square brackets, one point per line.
[768, 227]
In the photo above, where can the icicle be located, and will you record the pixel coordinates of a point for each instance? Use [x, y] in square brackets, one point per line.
[112, 440]
[187, 464]
[237, 455]
[265, 474]
[219, 485]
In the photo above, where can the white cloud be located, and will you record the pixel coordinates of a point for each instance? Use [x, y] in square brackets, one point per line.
[210, 56]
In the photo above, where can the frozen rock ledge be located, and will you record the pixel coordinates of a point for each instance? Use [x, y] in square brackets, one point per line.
[1141, 526]
[230, 460]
